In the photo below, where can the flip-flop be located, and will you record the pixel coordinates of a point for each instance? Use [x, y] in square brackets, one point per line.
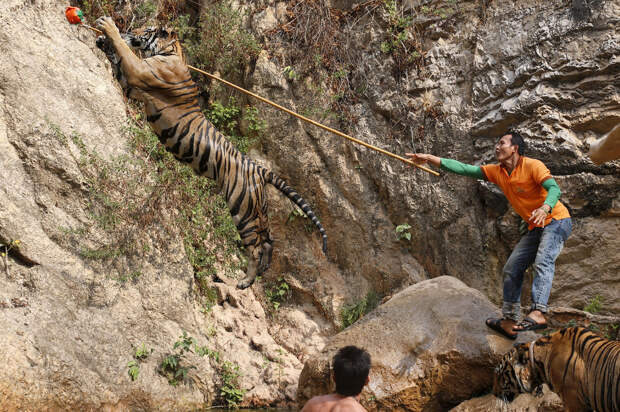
[496, 325]
[530, 324]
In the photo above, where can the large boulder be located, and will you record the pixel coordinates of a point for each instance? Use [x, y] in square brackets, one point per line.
[429, 345]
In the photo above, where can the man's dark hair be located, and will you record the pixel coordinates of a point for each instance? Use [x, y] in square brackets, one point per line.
[351, 367]
[517, 140]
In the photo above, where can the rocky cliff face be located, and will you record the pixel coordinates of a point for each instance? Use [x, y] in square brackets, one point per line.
[547, 69]
[70, 325]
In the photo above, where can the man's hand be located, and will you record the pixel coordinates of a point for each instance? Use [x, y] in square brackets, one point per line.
[107, 26]
[422, 158]
[539, 215]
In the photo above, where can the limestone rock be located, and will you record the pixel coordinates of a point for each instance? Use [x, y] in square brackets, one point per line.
[440, 352]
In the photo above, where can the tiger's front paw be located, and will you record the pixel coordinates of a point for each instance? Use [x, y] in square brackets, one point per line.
[102, 43]
[107, 26]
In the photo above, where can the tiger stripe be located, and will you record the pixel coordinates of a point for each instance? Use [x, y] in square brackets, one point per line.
[579, 365]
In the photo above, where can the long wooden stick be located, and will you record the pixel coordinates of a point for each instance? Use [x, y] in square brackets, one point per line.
[329, 129]
[305, 119]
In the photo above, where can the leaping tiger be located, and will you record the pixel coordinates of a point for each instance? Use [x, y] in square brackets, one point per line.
[162, 81]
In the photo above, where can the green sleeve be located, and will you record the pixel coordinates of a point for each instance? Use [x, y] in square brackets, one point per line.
[553, 192]
[462, 169]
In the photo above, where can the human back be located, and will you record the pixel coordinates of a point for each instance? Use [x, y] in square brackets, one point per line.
[351, 366]
[333, 403]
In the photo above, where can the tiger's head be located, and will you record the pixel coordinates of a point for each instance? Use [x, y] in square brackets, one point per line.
[516, 373]
[154, 41]
[147, 42]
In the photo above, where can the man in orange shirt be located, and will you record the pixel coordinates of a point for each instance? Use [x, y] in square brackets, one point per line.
[533, 194]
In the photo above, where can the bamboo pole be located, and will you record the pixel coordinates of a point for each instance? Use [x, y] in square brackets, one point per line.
[305, 119]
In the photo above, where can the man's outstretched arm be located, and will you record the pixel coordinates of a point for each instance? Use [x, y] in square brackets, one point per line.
[450, 165]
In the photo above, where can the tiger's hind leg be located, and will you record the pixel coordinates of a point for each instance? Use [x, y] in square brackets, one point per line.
[251, 243]
[266, 252]
[252, 254]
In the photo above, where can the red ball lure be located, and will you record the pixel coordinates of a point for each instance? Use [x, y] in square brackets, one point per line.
[74, 15]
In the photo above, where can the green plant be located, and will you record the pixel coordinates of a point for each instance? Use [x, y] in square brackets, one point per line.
[4, 252]
[226, 120]
[146, 9]
[134, 369]
[595, 305]
[140, 354]
[277, 292]
[256, 125]
[403, 231]
[172, 367]
[351, 313]
[290, 73]
[295, 213]
[219, 43]
[230, 390]
[130, 198]
[403, 40]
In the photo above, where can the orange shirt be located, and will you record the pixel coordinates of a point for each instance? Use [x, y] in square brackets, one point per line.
[523, 188]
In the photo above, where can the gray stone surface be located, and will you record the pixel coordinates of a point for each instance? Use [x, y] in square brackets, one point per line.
[429, 346]
[68, 328]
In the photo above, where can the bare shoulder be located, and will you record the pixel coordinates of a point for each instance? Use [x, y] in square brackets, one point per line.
[332, 403]
[348, 405]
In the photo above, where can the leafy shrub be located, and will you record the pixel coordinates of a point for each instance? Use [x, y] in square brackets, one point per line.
[595, 305]
[349, 314]
[277, 292]
[219, 43]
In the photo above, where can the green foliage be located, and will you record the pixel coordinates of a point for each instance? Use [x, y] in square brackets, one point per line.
[224, 117]
[256, 125]
[290, 73]
[102, 253]
[397, 29]
[133, 366]
[403, 39]
[230, 390]
[149, 194]
[145, 9]
[595, 305]
[277, 292]
[134, 369]
[219, 43]
[297, 212]
[10, 245]
[142, 352]
[172, 366]
[226, 120]
[403, 231]
[349, 314]
[133, 276]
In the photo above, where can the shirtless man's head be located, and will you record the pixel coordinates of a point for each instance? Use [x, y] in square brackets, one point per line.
[350, 371]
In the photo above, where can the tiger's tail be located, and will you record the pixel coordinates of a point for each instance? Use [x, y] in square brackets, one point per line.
[281, 185]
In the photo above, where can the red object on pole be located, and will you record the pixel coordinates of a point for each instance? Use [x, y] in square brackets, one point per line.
[74, 15]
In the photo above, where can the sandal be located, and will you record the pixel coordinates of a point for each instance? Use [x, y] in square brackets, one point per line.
[496, 325]
[530, 324]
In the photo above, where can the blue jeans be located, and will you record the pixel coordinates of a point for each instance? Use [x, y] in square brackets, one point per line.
[540, 246]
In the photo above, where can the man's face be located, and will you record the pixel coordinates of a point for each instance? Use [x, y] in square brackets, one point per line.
[504, 148]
